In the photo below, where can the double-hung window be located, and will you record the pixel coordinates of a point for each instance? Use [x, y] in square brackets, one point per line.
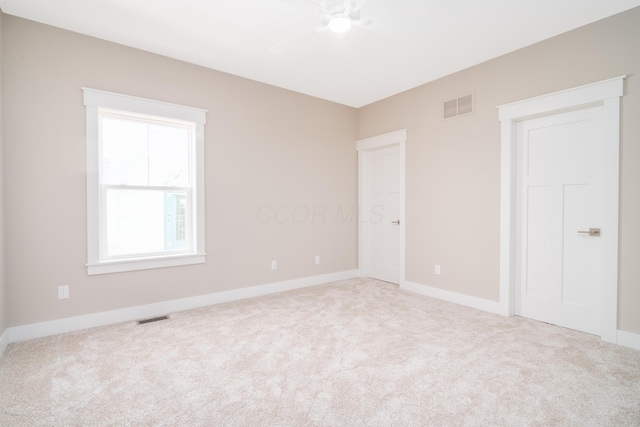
[145, 183]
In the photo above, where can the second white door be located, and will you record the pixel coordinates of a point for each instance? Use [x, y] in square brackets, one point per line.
[383, 222]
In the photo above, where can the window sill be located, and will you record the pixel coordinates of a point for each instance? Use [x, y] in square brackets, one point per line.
[106, 267]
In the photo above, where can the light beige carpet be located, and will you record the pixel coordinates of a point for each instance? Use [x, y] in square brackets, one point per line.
[352, 353]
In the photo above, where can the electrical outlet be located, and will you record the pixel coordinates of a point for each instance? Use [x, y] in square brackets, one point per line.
[437, 269]
[317, 259]
[63, 292]
[274, 265]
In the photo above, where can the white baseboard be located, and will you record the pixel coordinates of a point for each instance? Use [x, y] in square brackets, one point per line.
[71, 324]
[4, 341]
[629, 339]
[624, 339]
[462, 299]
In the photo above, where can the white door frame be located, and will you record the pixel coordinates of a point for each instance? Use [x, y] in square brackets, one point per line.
[364, 147]
[606, 93]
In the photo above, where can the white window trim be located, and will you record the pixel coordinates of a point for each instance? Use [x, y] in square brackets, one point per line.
[93, 101]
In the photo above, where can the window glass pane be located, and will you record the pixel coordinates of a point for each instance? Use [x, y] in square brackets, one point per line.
[169, 155]
[175, 225]
[124, 151]
[145, 222]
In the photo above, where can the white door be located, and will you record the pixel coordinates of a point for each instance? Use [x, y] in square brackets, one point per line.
[383, 197]
[559, 199]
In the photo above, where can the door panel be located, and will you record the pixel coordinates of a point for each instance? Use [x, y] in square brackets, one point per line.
[383, 210]
[578, 247]
[560, 148]
[538, 279]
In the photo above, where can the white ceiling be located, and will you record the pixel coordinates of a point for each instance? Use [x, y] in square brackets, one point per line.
[409, 42]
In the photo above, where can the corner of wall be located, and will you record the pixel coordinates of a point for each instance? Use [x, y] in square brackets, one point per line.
[4, 341]
[4, 334]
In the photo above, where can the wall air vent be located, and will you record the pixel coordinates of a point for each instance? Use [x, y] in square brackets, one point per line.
[461, 106]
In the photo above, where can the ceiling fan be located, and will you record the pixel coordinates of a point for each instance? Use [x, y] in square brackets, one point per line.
[338, 16]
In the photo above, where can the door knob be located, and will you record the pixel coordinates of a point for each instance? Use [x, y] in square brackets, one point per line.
[590, 232]
[396, 222]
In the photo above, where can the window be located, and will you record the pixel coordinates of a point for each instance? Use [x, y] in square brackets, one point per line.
[145, 183]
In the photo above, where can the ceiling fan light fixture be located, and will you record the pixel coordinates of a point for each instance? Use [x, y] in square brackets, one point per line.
[340, 24]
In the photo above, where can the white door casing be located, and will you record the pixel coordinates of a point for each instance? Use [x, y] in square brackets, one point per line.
[607, 94]
[377, 154]
[558, 197]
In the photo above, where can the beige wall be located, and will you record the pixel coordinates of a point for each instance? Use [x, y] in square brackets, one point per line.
[264, 147]
[453, 167]
[3, 304]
